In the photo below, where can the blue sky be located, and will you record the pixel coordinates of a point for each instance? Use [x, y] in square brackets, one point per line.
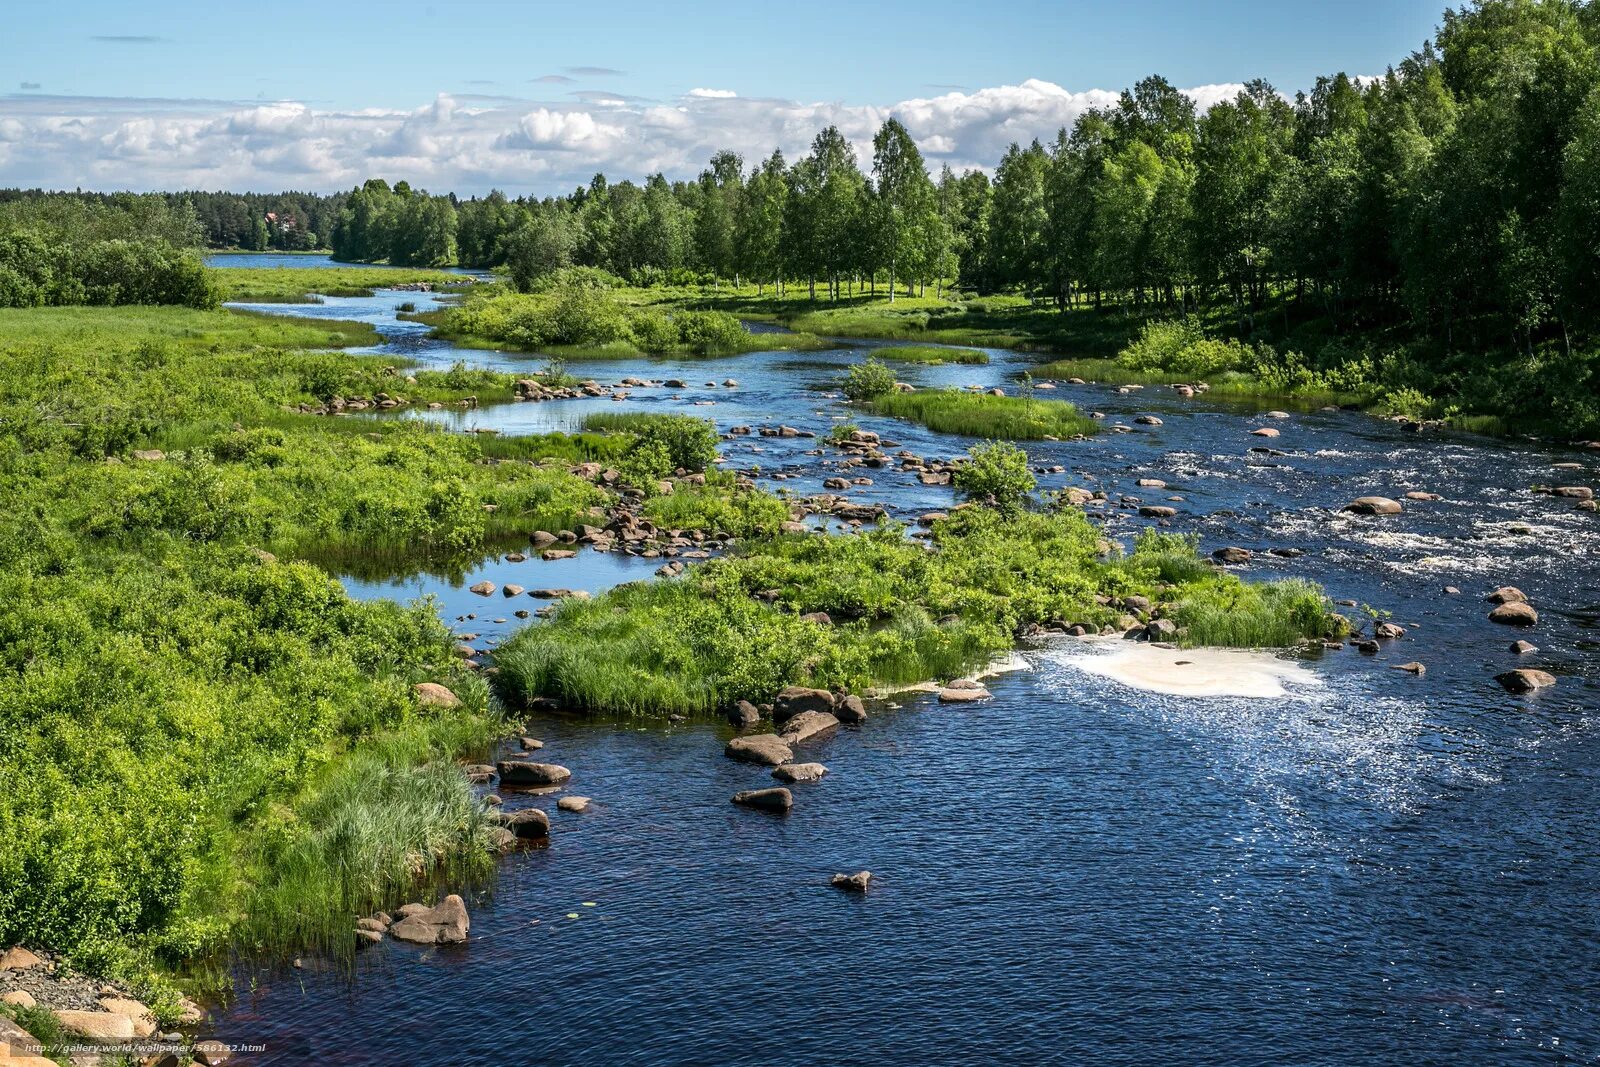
[261, 95]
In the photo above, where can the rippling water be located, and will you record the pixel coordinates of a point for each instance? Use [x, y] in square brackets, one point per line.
[1374, 867]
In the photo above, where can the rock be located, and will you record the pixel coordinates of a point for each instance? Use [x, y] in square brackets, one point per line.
[849, 708]
[18, 958]
[1157, 511]
[1160, 630]
[573, 803]
[501, 839]
[1277, 414]
[530, 744]
[211, 1053]
[963, 692]
[744, 713]
[510, 589]
[821, 618]
[1573, 492]
[483, 588]
[1412, 667]
[1148, 420]
[1389, 631]
[148, 455]
[769, 749]
[435, 695]
[1507, 594]
[1232, 555]
[1522, 648]
[853, 883]
[529, 824]
[1151, 483]
[552, 554]
[144, 1020]
[806, 725]
[1265, 431]
[1415, 495]
[521, 772]
[800, 772]
[19, 998]
[1373, 505]
[794, 699]
[445, 924]
[1514, 613]
[371, 924]
[405, 911]
[368, 937]
[1525, 680]
[98, 1025]
[776, 799]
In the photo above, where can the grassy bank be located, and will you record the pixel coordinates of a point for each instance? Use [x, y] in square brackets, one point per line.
[204, 742]
[299, 285]
[982, 415]
[930, 354]
[900, 613]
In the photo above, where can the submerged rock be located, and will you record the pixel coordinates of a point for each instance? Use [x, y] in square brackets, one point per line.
[521, 772]
[800, 772]
[1373, 505]
[573, 803]
[808, 724]
[775, 799]
[854, 883]
[963, 691]
[1522, 648]
[1525, 680]
[769, 749]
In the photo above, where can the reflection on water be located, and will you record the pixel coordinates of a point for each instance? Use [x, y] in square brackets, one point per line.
[1377, 867]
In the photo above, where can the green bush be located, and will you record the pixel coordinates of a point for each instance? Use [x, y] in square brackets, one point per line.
[997, 475]
[689, 443]
[868, 381]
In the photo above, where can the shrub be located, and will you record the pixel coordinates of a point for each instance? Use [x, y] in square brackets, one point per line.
[868, 381]
[689, 443]
[997, 475]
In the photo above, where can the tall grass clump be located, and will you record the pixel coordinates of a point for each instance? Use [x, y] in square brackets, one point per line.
[931, 354]
[982, 415]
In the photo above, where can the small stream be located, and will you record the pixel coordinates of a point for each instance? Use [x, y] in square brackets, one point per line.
[1376, 867]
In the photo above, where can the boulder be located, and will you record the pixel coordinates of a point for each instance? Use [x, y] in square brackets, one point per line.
[821, 618]
[800, 772]
[17, 958]
[511, 589]
[849, 708]
[98, 1025]
[1148, 420]
[445, 924]
[144, 1020]
[1573, 492]
[852, 883]
[521, 772]
[1157, 511]
[435, 695]
[573, 803]
[768, 749]
[963, 691]
[1411, 668]
[776, 799]
[212, 1053]
[1522, 648]
[744, 713]
[1265, 431]
[1232, 555]
[530, 744]
[806, 725]
[529, 824]
[483, 588]
[19, 998]
[794, 699]
[1515, 613]
[1525, 680]
[1389, 631]
[1507, 594]
[1373, 505]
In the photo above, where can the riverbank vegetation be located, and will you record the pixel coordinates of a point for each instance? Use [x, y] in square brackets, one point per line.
[204, 742]
[974, 414]
[734, 628]
[933, 355]
[303, 285]
[580, 318]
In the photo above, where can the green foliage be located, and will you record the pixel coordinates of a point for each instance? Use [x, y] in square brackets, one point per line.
[997, 475]
[930, 354]
[300, 285]
[1181, 349]
[693, 645]
[687, 443]
[982, 415]
[718, 506]
[868, 381]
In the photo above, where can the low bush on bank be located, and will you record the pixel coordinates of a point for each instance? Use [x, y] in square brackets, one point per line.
[930, 354]
[982, 415]
[585, 320]
[719, 505]
[39, 269]
[732, 628]
[670, 442]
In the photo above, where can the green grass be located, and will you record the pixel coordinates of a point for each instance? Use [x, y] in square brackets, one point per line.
[981, 415]
[1227, 385]
[694, 645]
[931, 354]
[718, 505]
[296, 285]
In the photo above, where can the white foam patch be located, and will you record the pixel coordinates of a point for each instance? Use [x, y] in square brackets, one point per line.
[1195, 672]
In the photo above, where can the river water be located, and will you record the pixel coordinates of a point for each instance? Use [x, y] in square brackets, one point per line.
[1370, 867]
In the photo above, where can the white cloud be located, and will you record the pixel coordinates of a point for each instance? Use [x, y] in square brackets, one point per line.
[519, 146]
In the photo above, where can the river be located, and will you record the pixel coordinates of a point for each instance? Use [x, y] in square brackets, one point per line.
[1370, 867]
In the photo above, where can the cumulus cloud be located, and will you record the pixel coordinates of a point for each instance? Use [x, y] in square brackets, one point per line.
[471, 144]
